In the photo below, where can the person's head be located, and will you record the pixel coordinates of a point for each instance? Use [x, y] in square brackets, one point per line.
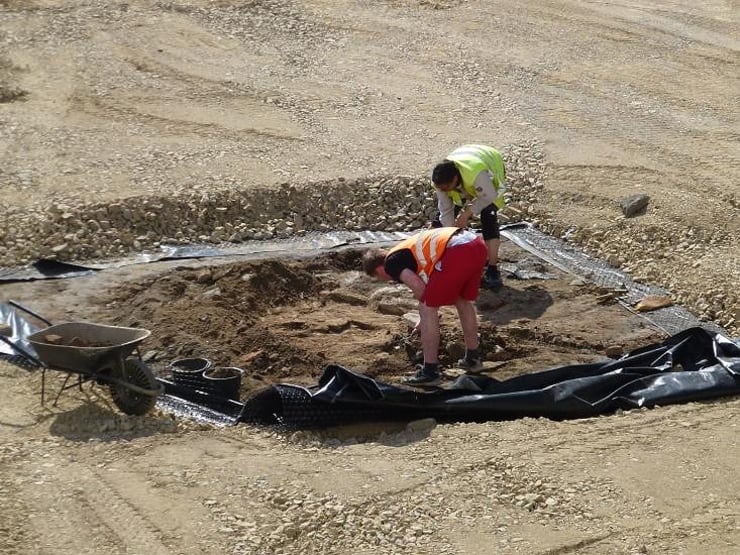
[373, 263]
[445, 175]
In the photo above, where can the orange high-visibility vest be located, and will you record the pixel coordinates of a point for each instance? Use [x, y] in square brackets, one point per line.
[427, 248]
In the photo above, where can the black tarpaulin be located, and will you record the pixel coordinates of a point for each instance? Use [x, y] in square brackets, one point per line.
[695, 364]
[55, 269]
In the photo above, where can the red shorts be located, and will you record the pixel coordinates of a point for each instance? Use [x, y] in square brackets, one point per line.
[459, 275]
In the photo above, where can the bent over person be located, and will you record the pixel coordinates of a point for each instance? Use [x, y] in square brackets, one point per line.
[442, 267]
[471, 180]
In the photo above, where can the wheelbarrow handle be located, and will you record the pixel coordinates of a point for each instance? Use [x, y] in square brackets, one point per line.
[29, 311]
[20, 350]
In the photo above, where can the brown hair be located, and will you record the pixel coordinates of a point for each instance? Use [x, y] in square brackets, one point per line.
[372, 259]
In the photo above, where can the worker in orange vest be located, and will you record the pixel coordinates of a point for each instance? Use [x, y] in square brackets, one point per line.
[442, 267]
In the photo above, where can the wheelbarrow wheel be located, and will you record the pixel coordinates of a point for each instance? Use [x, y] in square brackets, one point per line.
[138, 374]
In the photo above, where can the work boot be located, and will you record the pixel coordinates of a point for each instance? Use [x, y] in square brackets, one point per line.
[422, 377]
[492, 279]
[470, 365]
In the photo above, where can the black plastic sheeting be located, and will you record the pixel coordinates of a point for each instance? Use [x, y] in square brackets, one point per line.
[46, 268]
[693, 365]
[20, 328]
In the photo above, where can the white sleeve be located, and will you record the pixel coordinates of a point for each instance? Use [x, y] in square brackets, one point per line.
[446, 209]
[485, 192]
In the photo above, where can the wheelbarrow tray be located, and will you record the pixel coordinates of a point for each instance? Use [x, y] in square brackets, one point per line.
[108, 344]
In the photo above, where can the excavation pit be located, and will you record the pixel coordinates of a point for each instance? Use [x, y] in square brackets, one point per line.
[284, 319]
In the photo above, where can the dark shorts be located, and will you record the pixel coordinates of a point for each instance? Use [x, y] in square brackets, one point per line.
[459, 276]
[488, 221]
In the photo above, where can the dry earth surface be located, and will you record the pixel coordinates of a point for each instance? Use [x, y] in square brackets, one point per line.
[128, 125]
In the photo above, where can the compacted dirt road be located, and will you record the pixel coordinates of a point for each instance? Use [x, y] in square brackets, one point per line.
[127, 125]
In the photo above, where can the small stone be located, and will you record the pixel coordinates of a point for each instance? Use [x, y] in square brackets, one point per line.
[634, 205]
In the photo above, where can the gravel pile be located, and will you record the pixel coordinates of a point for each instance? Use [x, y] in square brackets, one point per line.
[74, 230]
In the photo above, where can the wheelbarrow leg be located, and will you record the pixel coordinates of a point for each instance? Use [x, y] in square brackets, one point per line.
[59, 393]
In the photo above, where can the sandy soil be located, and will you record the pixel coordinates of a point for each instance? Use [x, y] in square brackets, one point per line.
[147, 98]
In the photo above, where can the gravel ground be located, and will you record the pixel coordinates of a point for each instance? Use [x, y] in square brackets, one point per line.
[131, 125]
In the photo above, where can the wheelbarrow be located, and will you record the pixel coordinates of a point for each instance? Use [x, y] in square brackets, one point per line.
[94, 352]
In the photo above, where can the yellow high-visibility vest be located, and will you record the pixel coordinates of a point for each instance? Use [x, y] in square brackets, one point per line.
[470, 160]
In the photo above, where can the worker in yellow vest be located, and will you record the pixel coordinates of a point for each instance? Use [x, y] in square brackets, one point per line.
[471, 180]
[442, 267]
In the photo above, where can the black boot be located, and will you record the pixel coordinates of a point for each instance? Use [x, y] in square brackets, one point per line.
[492, 278]
[427, 374]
